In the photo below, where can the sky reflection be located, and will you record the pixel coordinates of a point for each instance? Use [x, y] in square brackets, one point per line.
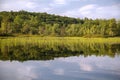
[71, 68]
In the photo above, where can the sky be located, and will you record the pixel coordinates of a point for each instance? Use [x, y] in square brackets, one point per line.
[72, 8]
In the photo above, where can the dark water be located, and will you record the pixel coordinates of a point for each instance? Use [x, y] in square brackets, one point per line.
[60, 62]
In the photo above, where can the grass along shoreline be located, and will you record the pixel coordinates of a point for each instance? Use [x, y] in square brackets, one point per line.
[36, 39]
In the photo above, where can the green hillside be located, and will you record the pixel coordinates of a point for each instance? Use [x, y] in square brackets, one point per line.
[43, 24]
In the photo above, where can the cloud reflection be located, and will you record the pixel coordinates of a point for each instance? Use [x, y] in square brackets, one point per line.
[17, 71]
[59, 71]
[86, 67]
[71, 68]
[93, 63]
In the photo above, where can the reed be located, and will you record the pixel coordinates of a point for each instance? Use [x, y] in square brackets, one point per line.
[57, 40]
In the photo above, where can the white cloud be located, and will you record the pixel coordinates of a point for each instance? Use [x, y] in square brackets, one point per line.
[25, 5]
[19, 5]
[31, 5]
[95, 11]
[60, 1]
[47, 9]
[87, 7]
[70, 8]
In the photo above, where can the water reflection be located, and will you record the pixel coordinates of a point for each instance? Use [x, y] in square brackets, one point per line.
[54, 61]
[49, 52]
[70, 68]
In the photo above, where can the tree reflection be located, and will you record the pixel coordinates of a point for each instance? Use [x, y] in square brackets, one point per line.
[49, 52]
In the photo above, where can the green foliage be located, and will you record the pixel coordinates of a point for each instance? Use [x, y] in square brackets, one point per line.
[44, 24]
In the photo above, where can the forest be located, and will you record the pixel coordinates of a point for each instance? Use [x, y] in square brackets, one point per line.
[44, 24]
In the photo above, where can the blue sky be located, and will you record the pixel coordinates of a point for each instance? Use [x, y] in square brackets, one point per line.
[72, 8]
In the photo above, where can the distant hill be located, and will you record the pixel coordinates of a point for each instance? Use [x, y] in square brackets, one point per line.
[43, 24]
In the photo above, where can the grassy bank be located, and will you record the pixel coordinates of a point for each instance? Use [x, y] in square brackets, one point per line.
[36, 39]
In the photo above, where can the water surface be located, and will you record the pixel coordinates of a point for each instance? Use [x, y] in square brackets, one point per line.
[56, 60]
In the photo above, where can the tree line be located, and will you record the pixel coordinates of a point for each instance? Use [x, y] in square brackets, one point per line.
[43, 24]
